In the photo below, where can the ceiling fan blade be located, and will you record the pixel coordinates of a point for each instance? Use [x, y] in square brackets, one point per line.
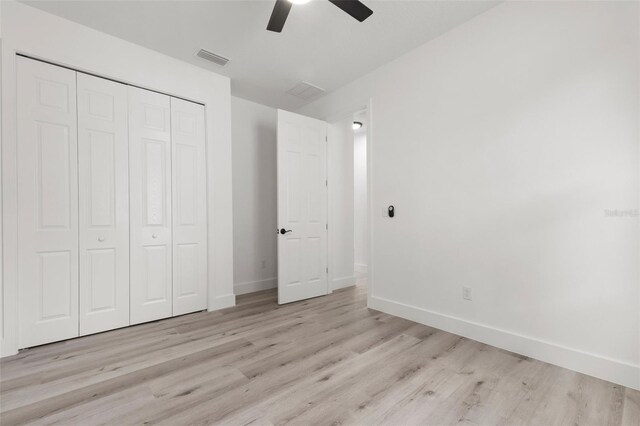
[354, 8]
[279, 15]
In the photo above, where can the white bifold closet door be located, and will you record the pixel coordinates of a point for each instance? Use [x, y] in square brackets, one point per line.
[112, 209]
[189, 207]
[150, 205]
[103, 152]
[47, 203]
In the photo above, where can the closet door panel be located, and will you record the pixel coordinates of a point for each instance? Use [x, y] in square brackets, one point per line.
[150, 205]
[189, 207]
[48, 203]
[103, 152]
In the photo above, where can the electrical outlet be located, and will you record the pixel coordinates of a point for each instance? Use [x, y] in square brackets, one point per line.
[466, 292]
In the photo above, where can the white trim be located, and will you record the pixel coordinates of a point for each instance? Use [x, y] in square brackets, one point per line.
[605, 368]
[253, 286]
[338, 283]
[221, 302]
[360, 267]
[371, 203]
[1, 214]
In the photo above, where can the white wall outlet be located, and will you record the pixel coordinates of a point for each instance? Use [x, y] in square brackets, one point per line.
[466, 292]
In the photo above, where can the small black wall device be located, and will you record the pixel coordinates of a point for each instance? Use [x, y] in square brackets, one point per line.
[392, 211]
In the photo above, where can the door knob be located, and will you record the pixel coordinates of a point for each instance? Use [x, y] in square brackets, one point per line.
[101, 239]
[284, 231]
[154, 236]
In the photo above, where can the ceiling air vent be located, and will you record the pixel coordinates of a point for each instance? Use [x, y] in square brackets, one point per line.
[305, 90]
[212, 57]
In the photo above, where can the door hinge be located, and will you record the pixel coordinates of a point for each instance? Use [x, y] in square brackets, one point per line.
[327, 269]
[326, 182]
[326, 226]
[326, 139]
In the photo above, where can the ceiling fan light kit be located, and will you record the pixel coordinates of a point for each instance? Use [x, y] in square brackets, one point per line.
[281, 10]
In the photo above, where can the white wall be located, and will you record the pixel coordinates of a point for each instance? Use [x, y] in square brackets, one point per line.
[501, 144]
[361, 237]
[44, 36]
[340, 176]
[255, 209]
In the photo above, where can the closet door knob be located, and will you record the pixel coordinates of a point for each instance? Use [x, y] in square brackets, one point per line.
[154, 236]
[101, 239]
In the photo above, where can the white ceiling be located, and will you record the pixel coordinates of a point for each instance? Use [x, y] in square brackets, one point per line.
[320, 43]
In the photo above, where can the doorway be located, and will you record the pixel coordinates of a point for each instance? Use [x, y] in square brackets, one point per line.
[360, 199]
[348, 200]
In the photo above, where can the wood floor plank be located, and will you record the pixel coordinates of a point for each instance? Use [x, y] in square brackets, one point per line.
[631, 409]
[328, 360]
[273, 382]
[56, 398]
[101, 410]
[315, 388]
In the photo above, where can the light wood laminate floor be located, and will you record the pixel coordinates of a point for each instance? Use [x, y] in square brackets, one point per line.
[328, 361]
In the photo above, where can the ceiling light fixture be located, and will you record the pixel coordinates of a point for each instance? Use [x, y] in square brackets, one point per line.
[299, 1]
[357, 125]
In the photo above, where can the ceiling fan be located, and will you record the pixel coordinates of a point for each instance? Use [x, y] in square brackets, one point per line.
[281, 10]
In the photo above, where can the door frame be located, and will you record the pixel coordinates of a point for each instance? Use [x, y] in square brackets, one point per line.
[349, 110]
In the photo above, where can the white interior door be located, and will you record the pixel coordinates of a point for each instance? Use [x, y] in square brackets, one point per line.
[150, 205]
[47, 203]
[302, 207]
[103, 152]
[189, 181]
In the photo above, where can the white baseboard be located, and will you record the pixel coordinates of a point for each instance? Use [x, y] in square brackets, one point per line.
[253, 286]
[360, 267]
[221, 302]
[605, 368]
[338, 283]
